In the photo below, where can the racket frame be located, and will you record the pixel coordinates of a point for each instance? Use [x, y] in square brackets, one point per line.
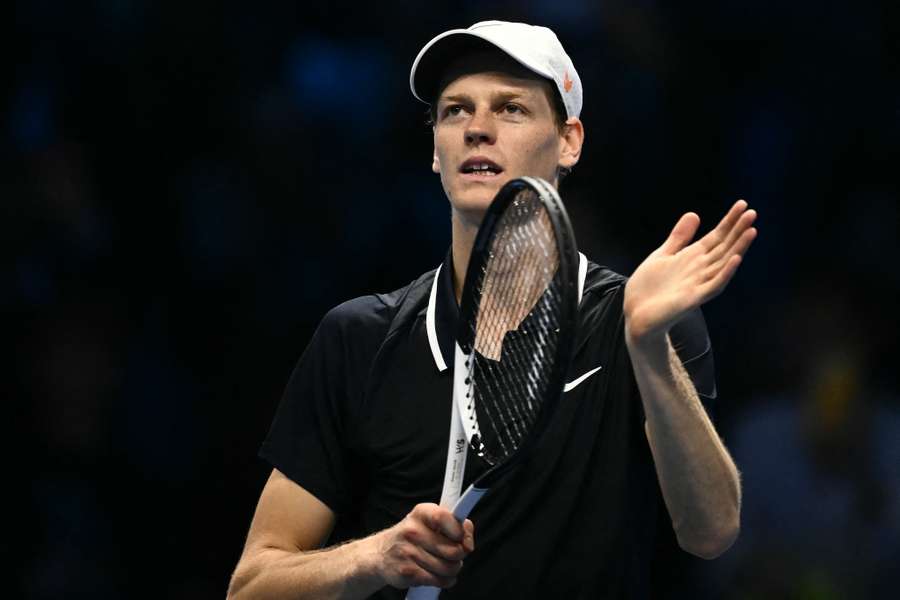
[567, 271]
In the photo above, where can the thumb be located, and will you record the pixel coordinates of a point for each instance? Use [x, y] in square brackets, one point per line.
[682, 234]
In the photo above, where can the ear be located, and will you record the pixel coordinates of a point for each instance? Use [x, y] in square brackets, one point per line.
[436, 163]
[570, 142]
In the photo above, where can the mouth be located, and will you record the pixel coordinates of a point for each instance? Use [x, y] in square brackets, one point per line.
[479, 167]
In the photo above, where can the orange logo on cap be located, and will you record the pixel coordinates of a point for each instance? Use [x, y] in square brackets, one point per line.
[567, 83]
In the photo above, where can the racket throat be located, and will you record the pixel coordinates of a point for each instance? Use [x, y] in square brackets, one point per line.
[467, 502]
[463, 396]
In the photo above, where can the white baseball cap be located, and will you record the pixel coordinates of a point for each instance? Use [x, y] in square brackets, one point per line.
[535, 48]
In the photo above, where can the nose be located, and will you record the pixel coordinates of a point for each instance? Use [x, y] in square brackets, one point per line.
[480, 129]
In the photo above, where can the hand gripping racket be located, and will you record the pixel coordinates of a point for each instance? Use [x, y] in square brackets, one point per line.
[515, 335]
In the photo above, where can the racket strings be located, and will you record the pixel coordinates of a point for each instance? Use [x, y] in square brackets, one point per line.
[517, 399]
[516, 395]
[507, 294]
[517, 329]
[496, 284]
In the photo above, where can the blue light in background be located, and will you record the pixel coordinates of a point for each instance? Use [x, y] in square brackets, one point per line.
[31, 123]
[342, 83]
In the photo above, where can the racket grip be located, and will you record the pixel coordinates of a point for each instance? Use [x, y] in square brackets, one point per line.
[424, 592]
[463, 507]
[467, 502]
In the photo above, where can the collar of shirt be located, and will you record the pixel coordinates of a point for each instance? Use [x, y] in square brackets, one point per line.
[442, 312]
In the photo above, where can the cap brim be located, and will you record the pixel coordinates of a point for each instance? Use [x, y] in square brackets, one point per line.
[433, 60]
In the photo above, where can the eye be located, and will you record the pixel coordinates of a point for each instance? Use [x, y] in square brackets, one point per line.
[453, 110]
[512, 108]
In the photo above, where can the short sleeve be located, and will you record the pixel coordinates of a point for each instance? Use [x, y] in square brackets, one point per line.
[310, 436]
[691, 341]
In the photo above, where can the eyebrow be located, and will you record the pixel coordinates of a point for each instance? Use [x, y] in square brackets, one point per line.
[503, 96]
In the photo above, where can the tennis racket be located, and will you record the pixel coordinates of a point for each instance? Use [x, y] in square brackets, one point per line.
[515, 334]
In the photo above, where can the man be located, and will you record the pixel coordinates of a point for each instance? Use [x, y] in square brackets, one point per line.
[359, 442]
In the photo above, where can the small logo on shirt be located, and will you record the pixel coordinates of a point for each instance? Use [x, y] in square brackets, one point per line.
[572, 384]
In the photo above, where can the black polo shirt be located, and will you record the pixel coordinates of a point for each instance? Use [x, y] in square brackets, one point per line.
[364, 425]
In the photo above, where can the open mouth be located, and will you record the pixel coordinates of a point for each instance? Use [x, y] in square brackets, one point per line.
[480, 167]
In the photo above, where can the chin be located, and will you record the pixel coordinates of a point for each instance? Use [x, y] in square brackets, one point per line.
[474, 194]
[472, 204]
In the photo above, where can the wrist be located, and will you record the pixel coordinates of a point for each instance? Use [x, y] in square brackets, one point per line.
[646, 343]
[363, 565]
[370, 560]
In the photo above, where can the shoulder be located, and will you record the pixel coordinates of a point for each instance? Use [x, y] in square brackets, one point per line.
[601, 285]
[347, 341]
[360, 314]
[373, 314]
[600, 309]
[600, 280]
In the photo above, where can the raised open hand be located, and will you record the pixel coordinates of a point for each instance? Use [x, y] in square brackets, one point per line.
[679, 276]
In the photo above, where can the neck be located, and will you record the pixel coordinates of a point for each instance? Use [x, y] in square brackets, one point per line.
[463, 232]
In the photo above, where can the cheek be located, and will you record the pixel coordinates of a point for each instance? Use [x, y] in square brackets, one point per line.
[444, 164]
[441, 160]
[439, 166]
[542, 155]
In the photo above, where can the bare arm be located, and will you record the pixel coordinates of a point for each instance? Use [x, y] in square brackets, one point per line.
[281, 560]
[699, 481]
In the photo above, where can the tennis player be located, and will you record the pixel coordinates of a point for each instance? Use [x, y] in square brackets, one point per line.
[631, 461]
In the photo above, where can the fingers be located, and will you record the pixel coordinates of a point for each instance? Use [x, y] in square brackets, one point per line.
[746, 238]
[441, 521]
[435, 544]
[720, 232]
[412, 575]
[436, 565]
[737, 243]
[719, 241]
[682, 233]
[469, 539]
[428, 547]
[719, 275]
[716, 285]
[728, 247]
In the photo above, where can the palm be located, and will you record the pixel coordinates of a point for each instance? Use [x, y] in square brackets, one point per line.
[680, 276]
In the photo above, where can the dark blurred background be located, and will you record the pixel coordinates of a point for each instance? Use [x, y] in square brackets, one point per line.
[188, 186]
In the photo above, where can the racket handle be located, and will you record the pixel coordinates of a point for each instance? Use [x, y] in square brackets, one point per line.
[463, 507]
[424, 592]
[467, 502]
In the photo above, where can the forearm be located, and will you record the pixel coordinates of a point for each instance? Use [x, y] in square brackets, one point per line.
[343, 572]
[699, 481]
